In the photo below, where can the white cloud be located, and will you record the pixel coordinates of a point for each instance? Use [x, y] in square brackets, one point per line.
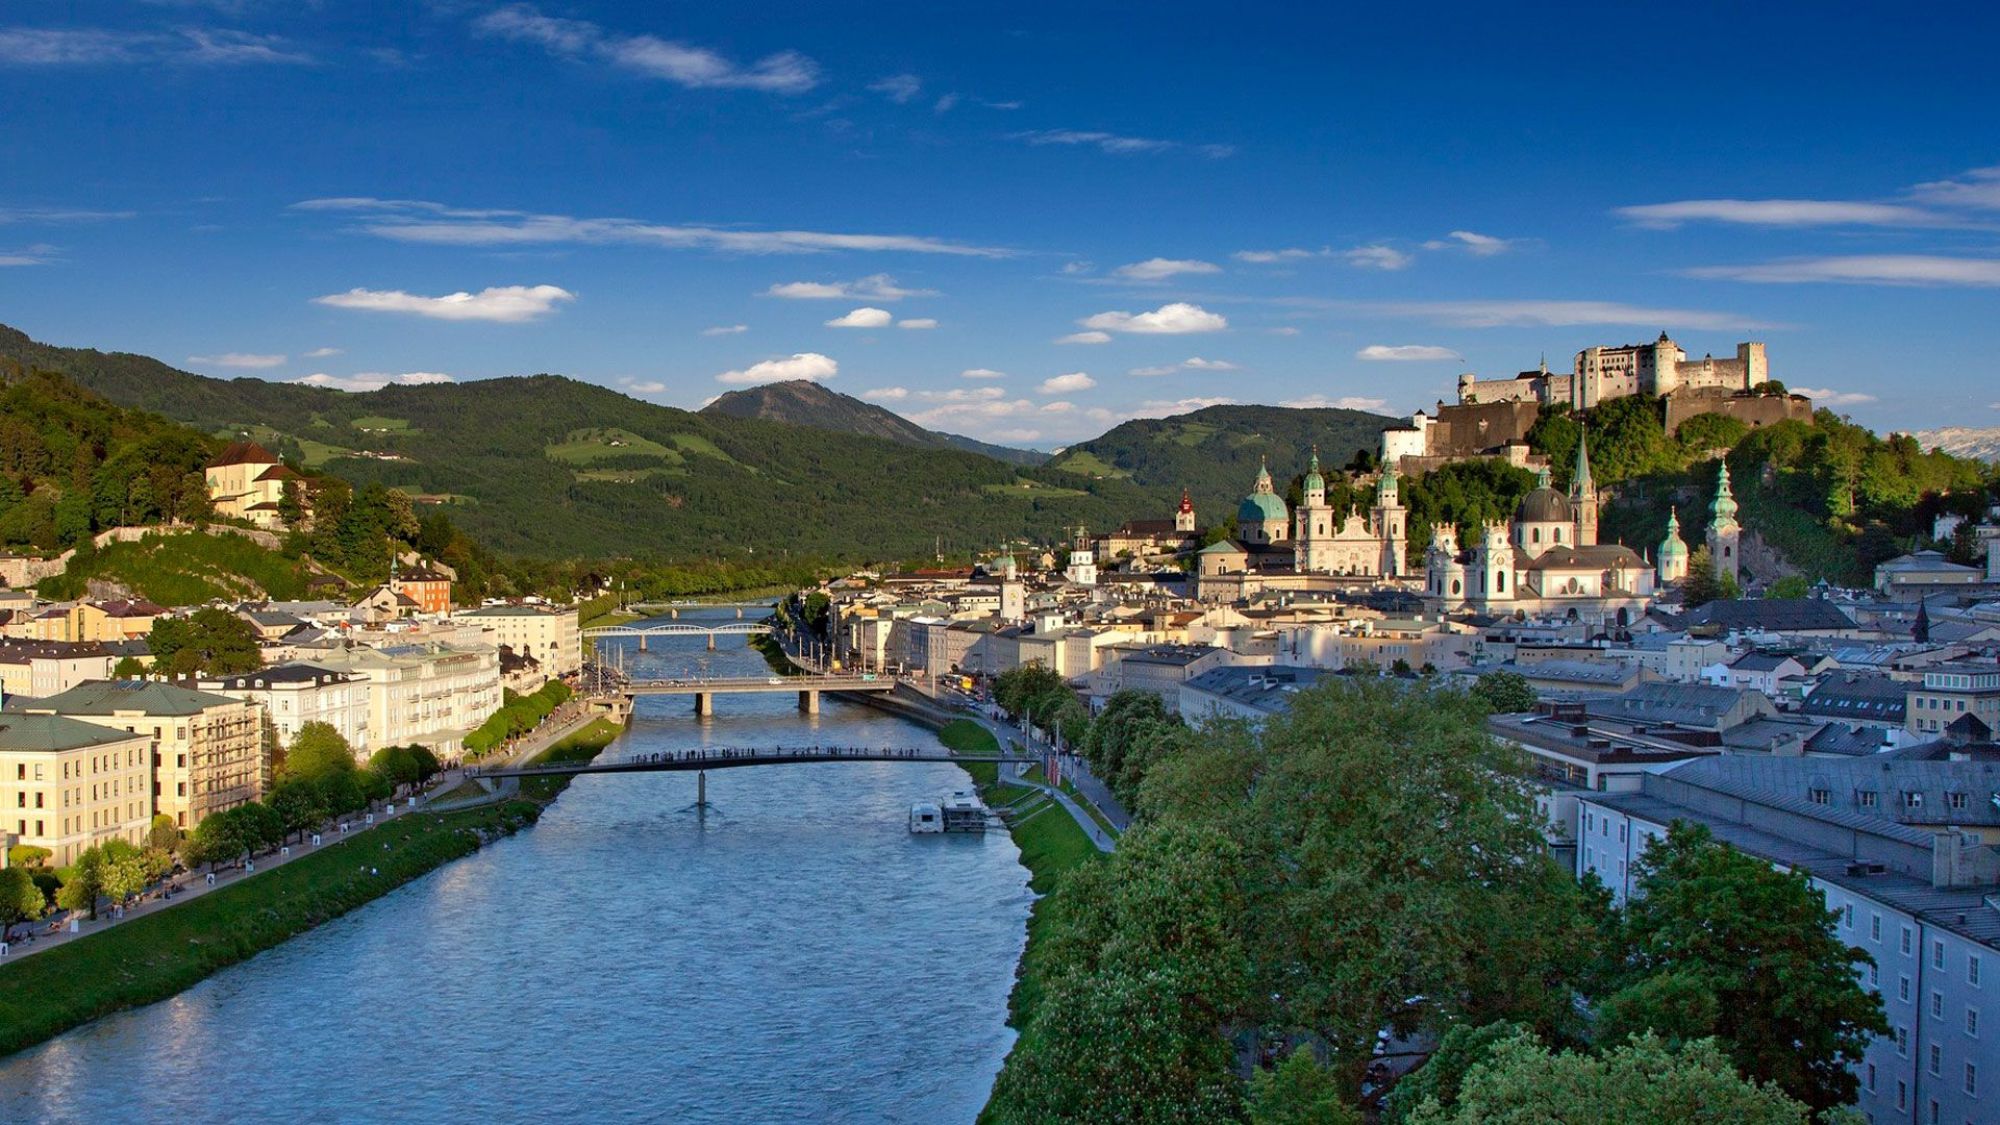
[506, 303]
[874, 287]
[1173, 319]
[918, 322]
[810, 366]
[1865, 269]
[238, 359]
[422, 221]
[1165, 409]
[1979, 189]
[1377, 257]
[1073, 268]
[964, 394]
[726, 330]
[981, 373]
[194, 46]
[1322, 402]
[786, 72]
[1405, 352]
[365, 381]
[647, 387]
[321, 353]
[53, 215]
[886, 394]
[945, 104]
[1479, 245]
[1160, 269]
[862, 318]
[1270, 257]
[1553, 314]
[1778, 213]
[1192, 363]
[1826, 396]
[1067, 384]
[1284, 330]
[40, 254]
[1085, 338]
[898, 88]
[1117, 144]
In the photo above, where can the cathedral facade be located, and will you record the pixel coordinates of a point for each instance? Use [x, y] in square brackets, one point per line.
[1278, 547]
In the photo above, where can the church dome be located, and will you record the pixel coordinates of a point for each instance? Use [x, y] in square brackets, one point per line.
[1259, 507]
[1544, 505]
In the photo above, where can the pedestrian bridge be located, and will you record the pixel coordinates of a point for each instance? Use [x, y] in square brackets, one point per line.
[736, 757]
[646, 633]
[808, 688]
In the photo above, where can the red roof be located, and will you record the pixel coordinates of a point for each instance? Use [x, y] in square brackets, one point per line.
[244, 453]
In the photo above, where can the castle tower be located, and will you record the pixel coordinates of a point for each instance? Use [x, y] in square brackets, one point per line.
[1184, 518]
[1673, 551]
[1725, 535]
[1583, 495]
[1663, 359]
[1390, 527]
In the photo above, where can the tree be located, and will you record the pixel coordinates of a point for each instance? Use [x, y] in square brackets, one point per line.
[209, 641]
[1440, 1078]
[1792, 587]
[1723, 944]
[1704, 582]
[20, 900]
[127, 668]
[124, 877]
[297, 804]
[1505, 693]
[318, 751]
[395, 764]
[1299, 1091]
[163, 834]
[1641, 1083]
[83, 883]
[27, 855]
[428, 765]
[219, 839]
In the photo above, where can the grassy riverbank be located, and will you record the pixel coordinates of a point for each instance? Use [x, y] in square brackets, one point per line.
[774, 654]
[151, 958]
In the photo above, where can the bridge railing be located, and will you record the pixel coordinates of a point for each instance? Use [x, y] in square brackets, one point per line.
[755, 755]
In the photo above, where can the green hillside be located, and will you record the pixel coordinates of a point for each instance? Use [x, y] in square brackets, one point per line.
[803, 403]
[530, 466]
[1214, 452]
[185, 569]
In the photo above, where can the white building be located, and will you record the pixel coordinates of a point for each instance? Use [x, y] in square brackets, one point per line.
[546, 633]
[296, 694]
[426, 694]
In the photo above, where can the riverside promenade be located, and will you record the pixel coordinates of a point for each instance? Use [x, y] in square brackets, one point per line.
[49, 934]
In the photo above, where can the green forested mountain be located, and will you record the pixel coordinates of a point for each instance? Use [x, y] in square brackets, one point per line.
[804, 403]
[1214, 452]
[556, 467]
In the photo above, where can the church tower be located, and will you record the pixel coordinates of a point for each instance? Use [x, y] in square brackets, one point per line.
[1184, 518]
[1262, 519]
[1493, 566]
[1673, 551]
[1583, 495]
[1082, 568]
[1390, 527]
[1312, 539]
[1725, 535]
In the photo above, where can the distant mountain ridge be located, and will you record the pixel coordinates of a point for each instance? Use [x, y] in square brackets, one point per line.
[1982, 443]
[801, 402]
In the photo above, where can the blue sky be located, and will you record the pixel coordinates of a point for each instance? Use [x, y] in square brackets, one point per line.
[1021, 222]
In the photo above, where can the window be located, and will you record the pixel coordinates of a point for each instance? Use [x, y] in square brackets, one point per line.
[1972, 1022]
[1871, 1078]
[1955, 800]
[1903, 989]
[1903, 1042]
[1902, 1094]
[1913, 800]
[1864, 798]
[1847, 916]
[1906, 941]
[1817, 796]
[1937, 1005]
[1937, 955]
[1937, 1059]
[1972, 970]
[1972, 1079]
[1875, 927]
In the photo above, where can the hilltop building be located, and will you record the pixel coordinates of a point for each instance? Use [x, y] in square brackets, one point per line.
[1599, 373]
[247, 482]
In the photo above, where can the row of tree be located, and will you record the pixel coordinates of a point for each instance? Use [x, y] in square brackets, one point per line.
[1373, 862]
[518, 715]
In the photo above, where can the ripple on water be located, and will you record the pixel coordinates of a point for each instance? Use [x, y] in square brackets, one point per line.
[792, 955]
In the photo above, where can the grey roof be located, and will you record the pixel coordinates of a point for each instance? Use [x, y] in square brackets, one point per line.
[1857, 697]
[1267, 689]
[1573, 671]
[1690, 705]
[1759, 661]
[1789, 783]
[1845, 740]
[1775, 615]
[108, 697]
[54, 733]
[297, 672]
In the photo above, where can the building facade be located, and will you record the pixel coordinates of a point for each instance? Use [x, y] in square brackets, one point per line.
[549, 634]
[207, 749]
[67, 785]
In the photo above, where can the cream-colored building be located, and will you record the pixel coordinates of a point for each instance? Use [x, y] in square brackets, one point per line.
[293, 695]
[248, 483]
[429, 694]
[38, 669]
[547, 633]
[66, 785]
[207, 749]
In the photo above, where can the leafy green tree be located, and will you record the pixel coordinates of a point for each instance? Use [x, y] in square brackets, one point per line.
[127, 668]
[1646, 1082]
[83, 883]
[1505, 693]
[317, 751]
[428, 765]
[1299, 1091]
[1441, 1076]
[209, 641]
[162, 833]
[395, 764]
[1792, 587]
[1723, 944]
[20, 900]
[1705, 583]
[124, 878]
[220, 838]
[27, 855]
[297, 803]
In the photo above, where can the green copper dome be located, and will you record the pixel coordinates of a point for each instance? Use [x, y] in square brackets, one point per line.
[1259, 507]
[1672, 547]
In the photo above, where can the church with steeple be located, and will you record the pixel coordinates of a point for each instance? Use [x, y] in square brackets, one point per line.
[1545, 560]
[1313, 547]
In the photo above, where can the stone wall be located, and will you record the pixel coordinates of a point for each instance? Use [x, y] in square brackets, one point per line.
[1463, 430]
[1754, 411]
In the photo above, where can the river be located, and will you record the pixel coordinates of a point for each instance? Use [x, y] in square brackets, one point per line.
[793, 954]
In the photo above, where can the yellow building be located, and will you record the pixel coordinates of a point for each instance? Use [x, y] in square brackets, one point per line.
[248, 483]
[547, 633]
[207, 749]
[66, 785]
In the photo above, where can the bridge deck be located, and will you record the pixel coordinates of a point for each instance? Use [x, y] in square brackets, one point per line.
[735, 758]
[734, 685]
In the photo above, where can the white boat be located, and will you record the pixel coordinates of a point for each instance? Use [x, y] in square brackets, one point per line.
[925, 816]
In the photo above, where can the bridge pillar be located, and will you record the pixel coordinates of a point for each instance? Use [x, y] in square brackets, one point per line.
[809, 702]
[711, 642]
[701, 789]
[674, 613]
[739, 613]
[642, 642]
[703, 703]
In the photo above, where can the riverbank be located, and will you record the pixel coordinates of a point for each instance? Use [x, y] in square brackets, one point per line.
[148, 959]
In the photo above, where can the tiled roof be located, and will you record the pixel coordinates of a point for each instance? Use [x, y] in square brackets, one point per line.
[243, 453]
[107, 697]
[52, 733]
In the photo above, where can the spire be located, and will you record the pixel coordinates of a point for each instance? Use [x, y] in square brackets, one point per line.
[1581, 484]
[1187, 501]
[1263, 476]
[1542, 477]
[1724, 508]
[1312, 466]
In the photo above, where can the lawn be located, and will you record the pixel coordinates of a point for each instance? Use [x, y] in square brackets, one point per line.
[187, 568]
[376, 424]
[588, 447]
[1025, 489]
[1088, 464]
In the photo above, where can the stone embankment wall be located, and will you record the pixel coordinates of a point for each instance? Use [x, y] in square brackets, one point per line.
[26, 570]
[1754, 411]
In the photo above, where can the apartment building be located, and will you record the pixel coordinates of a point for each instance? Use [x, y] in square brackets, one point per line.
[66, 785]
[293, 695]
[207, 749]
[545, 633]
